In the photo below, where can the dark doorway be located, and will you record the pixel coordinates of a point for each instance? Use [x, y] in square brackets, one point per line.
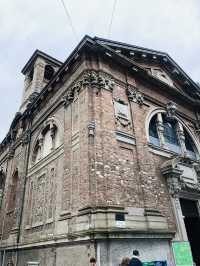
[192, 223]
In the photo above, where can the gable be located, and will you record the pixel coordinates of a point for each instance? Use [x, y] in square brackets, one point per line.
[157, 64]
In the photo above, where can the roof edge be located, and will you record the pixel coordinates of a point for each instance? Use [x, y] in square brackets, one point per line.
[36, 54]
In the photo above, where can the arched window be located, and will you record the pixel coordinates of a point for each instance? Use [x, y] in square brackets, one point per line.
[48, 72]
[190, 146]
[47, 141]
[171, 135]
[36, 152]
[13, 191]
[153, 133]
[2, 185]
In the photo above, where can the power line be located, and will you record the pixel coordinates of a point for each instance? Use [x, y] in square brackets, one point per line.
[69, 20]
[112, 16]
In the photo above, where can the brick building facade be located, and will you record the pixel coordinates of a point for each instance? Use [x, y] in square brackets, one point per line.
[101, 158]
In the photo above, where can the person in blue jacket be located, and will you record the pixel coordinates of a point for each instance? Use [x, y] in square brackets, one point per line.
[135, 261]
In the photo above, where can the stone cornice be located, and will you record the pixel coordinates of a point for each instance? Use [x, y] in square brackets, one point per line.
[149, 54]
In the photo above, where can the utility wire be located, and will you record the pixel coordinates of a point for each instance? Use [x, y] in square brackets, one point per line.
[112, 16]
[70, 20]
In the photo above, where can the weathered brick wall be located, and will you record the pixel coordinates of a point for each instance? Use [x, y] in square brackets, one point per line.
[11, 207]
[128, 176]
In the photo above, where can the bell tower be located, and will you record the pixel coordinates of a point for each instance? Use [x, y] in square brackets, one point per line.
[38, 71]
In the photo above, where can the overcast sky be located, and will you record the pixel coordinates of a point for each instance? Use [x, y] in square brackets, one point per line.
[172, 26]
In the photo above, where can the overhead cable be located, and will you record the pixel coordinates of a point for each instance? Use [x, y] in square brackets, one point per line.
[112, 16]
[69, 20]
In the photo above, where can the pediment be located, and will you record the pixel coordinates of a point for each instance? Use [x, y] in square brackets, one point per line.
[158, 64]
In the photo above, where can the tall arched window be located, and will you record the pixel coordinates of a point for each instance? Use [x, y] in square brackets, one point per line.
[190, 146]
[13, 191]
[2, 185]
[47, 142]
[153, 133]
[171, 135]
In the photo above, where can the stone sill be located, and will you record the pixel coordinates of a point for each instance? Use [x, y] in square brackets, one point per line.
[165, 152]
[49, 221]
[161, 151]
[64, 215]
[101, 209]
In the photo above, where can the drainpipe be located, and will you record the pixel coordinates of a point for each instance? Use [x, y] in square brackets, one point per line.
[24, 188]
[4, 251]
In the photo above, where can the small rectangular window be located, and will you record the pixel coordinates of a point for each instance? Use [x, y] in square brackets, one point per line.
[120, 220]
[119, 217]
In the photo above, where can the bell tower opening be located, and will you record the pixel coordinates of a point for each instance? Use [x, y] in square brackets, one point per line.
[37, 72]
[192, 223]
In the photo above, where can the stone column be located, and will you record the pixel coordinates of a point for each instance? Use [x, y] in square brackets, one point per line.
[160, 129]
[172, 172]
[41, 139]
[181, 138]
[38, 76]
[181, 233]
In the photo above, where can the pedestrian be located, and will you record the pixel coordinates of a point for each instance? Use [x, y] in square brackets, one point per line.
[135, 261]
[125, 261]
[92, 262]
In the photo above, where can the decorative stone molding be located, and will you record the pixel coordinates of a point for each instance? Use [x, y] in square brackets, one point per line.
[181, 137]
[189, 187]
[91, 129]
[172, 172]
[89, 78]
[122, 115]
[152, 212]
[123, 121]
[160, 129]
[98, 80]
[171, 108]
[26, 137]
[175, 181]
[134, 95]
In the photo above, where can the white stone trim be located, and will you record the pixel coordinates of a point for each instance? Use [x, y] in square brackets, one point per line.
[32, 263]
[153, 111]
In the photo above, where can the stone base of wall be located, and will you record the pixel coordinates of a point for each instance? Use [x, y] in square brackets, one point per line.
[109, 252]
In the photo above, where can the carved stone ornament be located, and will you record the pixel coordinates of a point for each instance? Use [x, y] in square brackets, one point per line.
[26, 137]
[98, 80]
[89, 78]
[172, 172]
[175, 181]
[134, 95]
[91, 129]
[171, 108]
[122, 115]
[122, 121]
[189, 187]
